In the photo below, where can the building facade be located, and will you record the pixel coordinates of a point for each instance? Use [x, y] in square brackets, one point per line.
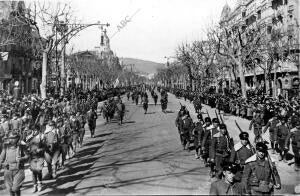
[19, 58]
[270, 15]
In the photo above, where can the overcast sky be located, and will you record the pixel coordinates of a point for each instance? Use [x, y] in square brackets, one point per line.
[155, 30]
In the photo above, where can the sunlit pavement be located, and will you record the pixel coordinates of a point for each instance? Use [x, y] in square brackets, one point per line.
[142, 156]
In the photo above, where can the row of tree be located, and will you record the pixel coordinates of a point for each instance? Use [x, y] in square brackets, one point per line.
[232, 50]
[44, 27]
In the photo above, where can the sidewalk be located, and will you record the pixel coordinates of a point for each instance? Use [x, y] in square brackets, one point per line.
[289, 177]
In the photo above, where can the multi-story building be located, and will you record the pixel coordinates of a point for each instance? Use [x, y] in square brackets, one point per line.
[270, 14]
[18, 59]
[88, 69]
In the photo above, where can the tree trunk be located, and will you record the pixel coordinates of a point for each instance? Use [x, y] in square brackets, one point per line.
[44, 75]
[255, 78]
[275, 82]
[242, 79]
[190, 82]
[62, 69]
[266, 82]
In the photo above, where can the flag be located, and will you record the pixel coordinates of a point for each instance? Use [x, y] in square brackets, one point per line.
[116, 82]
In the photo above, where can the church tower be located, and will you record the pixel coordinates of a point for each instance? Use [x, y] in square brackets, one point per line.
[104, 44]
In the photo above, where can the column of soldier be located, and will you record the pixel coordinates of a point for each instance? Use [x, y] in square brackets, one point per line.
[241, 168]
[35, 131]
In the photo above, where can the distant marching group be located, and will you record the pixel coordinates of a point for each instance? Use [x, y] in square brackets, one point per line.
[142, 93]
[239, 168]
[35, 131]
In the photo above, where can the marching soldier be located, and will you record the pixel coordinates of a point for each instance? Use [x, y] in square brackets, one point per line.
[104, 110]
[257, 123]
[74, 125]
[271, 124]
[206, 140]
[92, 117]
[120, 107]
[198, 135]
[227, 185]
[36, 157]
[260, 176]
[295, 136]
[281, 138]
[52, 148]
[185, 127]
[155, 97]
[145, 103]
[81, 130]
[219, 150]
[240, 153]
[12, 158]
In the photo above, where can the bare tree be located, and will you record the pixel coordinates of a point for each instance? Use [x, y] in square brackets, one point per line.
[238, 44]
[199, 58]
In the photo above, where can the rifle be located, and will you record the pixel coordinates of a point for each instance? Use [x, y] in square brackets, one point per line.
[207, 113]
[217, 116]
[222, 119]
[274, 171]
[238, 126]
[230, 139]
[251, 146]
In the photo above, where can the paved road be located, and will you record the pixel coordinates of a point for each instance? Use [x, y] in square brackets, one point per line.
[143, 156]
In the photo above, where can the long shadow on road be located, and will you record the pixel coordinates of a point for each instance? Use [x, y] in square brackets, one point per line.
[76, 169]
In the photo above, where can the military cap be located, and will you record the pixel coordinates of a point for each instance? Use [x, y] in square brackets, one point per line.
[244, 136]
[229, 167]
[222, 126]
[207, 119]
[262, 147]
[199, 116]
[215, 120]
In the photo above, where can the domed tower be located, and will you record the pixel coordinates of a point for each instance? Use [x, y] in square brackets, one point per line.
[226, 11]
[105, 42]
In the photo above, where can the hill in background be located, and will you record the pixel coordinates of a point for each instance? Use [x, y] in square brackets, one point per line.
[142, 65]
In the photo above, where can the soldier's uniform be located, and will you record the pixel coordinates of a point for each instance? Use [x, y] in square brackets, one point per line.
[294, 135]
[198, 135]
[36, 158]
[240, 153]
[145, 103]
[271, 124]
[92, 117]
[185, 127]
[13, 157]
[219, 150]
[120, 107]
[52, 148]
[257, 174]
[209, 131]
[81, 123]
[224, 186]
[257, 123]
[281, 138]
[155, 97]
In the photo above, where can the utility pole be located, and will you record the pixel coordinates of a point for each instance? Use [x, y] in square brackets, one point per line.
[63, 27]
